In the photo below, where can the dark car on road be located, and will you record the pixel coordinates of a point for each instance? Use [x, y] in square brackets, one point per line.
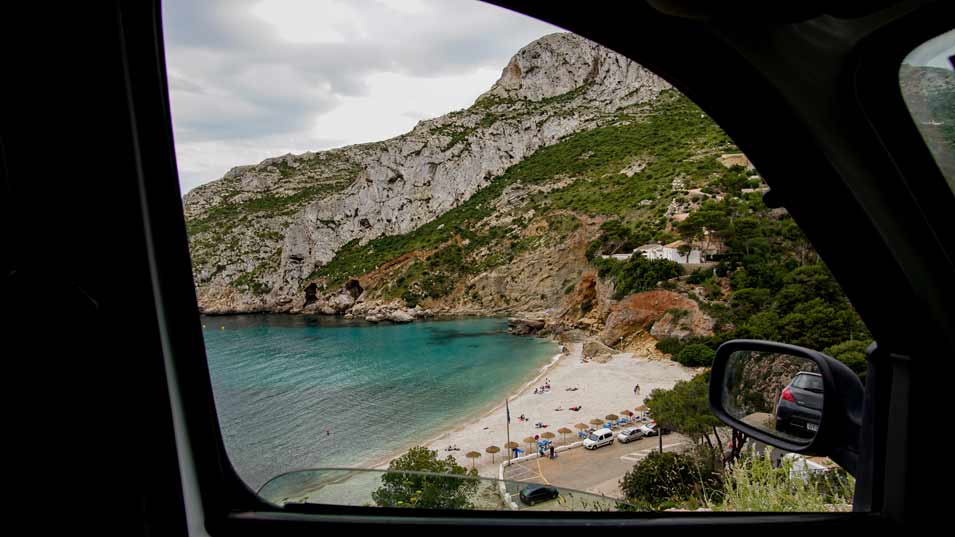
[532, 494]
[799, 409]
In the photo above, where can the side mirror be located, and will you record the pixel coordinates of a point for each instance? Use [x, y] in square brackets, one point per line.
[790, 397]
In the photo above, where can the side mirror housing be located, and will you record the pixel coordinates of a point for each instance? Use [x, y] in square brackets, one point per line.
[790, 397]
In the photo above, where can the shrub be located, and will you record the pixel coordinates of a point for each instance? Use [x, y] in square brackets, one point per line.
[657, 479]
[670, 345]
[668, 479]
[700, 276]
[443, 484]
[696, 355]
[754, 484]
[851, 353]
[637, 274]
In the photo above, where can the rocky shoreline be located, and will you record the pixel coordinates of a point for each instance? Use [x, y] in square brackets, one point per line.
[633, 324]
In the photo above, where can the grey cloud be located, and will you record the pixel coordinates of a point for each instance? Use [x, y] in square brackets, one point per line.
[181, 84]
[412, 114]
[232, 77]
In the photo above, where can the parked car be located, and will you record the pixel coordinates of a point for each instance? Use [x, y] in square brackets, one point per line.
[598, 438]
[650, 429]
[630, 434]
[532, 494]
[799, 409]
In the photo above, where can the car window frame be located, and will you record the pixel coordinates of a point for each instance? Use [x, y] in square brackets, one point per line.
[226, 504]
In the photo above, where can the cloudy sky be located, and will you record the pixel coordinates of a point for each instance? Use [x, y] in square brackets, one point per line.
[934, 52]
[251, 79]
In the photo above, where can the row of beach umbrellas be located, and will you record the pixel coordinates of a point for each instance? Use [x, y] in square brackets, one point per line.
[530, 440]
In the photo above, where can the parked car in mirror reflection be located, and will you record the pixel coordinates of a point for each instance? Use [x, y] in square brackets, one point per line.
[799, 409]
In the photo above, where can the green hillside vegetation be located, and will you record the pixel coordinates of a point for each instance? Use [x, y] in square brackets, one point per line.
[636, 274]
[780, 290]
[671, 130]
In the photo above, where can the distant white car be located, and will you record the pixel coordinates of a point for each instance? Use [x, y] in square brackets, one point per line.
[598, 438]
[630, 434]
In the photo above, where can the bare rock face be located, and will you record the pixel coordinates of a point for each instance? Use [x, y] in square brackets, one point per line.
[595, 350]
[259, 232]
[641, 311]
[394, 311]
[524, 326]
[560, 63]
[683, 323]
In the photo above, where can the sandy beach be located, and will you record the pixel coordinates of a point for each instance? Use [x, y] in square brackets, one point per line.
[602, 389]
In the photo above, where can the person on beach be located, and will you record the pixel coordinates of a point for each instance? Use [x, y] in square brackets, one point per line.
[552, 454]
[636, 390]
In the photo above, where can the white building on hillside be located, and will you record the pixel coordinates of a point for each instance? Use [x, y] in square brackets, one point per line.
[670, 252]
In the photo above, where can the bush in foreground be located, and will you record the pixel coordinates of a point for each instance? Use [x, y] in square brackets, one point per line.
[401, 486]
[664, 480]
[695, 355]
[754, 484]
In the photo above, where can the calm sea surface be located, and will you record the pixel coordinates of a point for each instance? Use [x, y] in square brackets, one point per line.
[297, 392]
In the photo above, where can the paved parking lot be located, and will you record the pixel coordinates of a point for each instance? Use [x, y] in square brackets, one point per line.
[597, 471]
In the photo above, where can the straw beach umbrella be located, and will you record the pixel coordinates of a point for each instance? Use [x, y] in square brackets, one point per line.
[564, 431]
[510, 446]
[530, 442]
[597, 422]
[581, 427]
[472, 455]
[548, 435]
[492, 450]
[627, 412]
[611, 417]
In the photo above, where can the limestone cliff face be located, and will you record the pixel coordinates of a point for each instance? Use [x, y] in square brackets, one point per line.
[260, 231]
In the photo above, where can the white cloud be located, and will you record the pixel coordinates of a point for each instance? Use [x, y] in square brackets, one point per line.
[313, 21]
[257, 78]
[395, 103]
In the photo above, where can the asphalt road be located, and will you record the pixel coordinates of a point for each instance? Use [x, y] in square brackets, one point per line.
[597, 471]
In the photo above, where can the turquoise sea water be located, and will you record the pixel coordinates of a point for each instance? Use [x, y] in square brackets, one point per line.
[297, 392]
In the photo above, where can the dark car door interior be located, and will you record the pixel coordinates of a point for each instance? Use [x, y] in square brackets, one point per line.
[105, 341]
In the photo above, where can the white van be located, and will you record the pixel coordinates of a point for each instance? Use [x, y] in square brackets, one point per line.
[600, 437]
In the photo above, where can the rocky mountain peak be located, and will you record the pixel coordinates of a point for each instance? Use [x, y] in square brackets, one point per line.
[563, 62]
[259, 234]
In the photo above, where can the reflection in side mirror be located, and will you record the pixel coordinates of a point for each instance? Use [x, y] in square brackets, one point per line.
[775, 392]
[790, 397]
